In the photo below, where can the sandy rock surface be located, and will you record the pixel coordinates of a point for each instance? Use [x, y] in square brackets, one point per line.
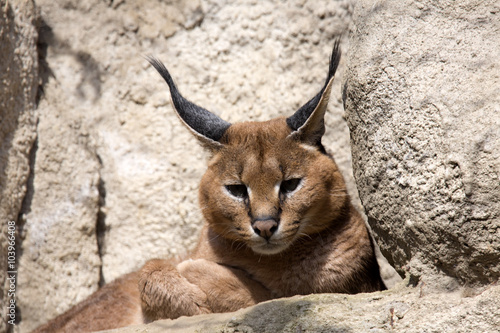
[401, 309]
[60, 263]
[422, 97]
[18, 91]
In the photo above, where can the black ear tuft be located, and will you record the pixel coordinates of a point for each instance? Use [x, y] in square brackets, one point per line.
[299, 118]
[206, 125]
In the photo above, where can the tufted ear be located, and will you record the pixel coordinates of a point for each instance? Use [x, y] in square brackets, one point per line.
[308, 123]
[206, 126]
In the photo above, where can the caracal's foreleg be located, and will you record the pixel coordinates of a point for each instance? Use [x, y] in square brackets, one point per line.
[195, 287]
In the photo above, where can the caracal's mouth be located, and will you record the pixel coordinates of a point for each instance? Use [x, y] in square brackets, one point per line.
[269, 248]
[276, 243]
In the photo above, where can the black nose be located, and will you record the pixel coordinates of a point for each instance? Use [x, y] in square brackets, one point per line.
[265, 228]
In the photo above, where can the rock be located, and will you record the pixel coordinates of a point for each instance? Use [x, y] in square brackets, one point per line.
[401, 309]
[422, 99]
[60, 241]
[18, 91]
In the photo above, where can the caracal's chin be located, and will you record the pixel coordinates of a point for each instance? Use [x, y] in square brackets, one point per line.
[269, 247]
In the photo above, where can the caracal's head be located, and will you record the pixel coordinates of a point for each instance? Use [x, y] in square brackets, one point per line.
[270, 183]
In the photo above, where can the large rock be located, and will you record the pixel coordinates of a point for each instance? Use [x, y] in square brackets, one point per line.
[18, 90]
[402, 309]
[422, 97]
[59, 236]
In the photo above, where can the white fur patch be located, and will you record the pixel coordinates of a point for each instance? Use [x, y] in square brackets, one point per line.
[308, 147]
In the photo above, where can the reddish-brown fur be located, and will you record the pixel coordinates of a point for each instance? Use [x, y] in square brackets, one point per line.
[288, 228]
[329, 252]
[114, 305]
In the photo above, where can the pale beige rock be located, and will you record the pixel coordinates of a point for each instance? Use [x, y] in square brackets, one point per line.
[60, 244]
[18, 89]
[422, 96]
[402, 309]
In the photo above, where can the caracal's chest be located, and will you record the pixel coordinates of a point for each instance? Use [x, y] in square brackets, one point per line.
[310, 266]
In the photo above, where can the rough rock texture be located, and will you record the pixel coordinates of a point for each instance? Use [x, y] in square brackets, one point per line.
[18, 89]
[59, 236]
[401, 309]
[115, 173]
[422, 97]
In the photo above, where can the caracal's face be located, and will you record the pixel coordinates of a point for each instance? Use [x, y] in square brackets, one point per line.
[267, 190]
[268, 184]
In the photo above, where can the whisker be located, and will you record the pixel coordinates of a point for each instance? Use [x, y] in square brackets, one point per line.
[214, 238]
[305, 235]
[240, 246]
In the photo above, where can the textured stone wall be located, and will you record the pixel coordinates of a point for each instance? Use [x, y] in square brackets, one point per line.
[18, 89]
[405, 310]
[422, 97]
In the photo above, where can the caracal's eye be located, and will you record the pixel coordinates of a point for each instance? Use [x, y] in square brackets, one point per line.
[238, 190]
[289, 185]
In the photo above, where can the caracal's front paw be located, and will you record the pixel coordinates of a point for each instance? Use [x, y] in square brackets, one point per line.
[167, 294]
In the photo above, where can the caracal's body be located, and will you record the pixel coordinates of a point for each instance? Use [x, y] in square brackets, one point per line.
[278, 223]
